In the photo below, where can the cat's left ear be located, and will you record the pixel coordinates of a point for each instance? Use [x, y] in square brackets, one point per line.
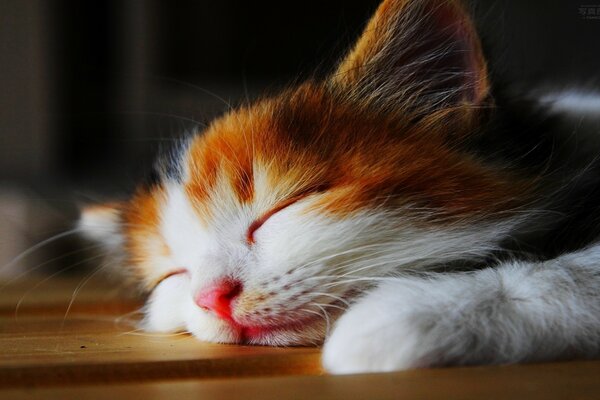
[102, 223]
[420, 55]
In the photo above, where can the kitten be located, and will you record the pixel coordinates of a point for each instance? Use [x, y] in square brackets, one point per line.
[403, 211]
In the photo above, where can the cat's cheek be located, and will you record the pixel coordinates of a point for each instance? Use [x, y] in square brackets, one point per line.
[208, 328]
[170, 308]
[165, 309]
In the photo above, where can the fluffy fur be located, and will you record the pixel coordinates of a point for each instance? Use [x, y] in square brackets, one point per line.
[402, 210]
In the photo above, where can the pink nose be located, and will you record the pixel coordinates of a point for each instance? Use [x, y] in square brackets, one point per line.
[218, 297]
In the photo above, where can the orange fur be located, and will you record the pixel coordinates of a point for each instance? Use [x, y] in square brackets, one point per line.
[144, 244]
[322, 137]
[448, 18]
[361, 158]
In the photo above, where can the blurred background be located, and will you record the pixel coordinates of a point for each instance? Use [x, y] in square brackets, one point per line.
[89, 90]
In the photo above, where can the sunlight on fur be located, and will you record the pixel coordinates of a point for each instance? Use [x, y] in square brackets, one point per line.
[402, 211]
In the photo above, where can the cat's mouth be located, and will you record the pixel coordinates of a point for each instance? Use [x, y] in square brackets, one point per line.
[283, 334]
[302, 331]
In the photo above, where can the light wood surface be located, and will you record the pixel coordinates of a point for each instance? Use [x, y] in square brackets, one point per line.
[574, 380]
[94, 351]
[50, 337]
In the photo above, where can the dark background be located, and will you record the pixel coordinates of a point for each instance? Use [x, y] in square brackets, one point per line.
[90, 89]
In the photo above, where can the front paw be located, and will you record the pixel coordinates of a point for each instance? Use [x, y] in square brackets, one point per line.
[410, 332]
[362, 343]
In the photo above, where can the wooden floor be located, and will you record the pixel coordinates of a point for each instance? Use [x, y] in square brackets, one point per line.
[56, 345]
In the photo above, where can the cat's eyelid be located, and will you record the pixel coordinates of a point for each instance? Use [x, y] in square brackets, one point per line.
[259, 222]
[254, 226]
[177, 271]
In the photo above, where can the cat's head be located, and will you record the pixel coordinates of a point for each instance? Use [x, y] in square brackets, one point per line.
[262, 228]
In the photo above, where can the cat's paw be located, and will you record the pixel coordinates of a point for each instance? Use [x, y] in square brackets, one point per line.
[361, 343]
[378, 336]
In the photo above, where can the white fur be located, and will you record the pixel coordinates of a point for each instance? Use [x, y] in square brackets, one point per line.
[166, 308]
[516, 312]
[308, 266]
[102, 224]
[573, 101]
[303, 265]
[182, 230]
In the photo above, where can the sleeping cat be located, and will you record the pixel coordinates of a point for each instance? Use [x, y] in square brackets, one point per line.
[403, 211]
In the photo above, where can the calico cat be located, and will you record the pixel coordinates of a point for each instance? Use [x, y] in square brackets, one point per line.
[403, 211]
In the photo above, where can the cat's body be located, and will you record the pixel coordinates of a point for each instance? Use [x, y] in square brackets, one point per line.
[402, 210]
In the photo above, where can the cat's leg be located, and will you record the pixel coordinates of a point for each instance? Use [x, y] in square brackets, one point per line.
[517, 311]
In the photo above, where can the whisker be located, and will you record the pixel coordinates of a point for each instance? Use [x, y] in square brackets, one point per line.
[333, 306]
[196, 87]
[363, 279]
[80, 286]
[117, 321]
[38, 284]
[328, 323]
[140, 332]
[22, 274]
[349, 251]
[38, 246]
[338, 298]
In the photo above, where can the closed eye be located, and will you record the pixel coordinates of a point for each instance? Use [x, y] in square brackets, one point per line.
[178, 271]
[254, 226]
[259, 222]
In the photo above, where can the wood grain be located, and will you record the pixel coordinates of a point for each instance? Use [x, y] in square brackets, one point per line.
[47, 295]
[94, 351]
[569, 380]
[97, 340]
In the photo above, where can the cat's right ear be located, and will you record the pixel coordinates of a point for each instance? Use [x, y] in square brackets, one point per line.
[416, 56]
[102, 223]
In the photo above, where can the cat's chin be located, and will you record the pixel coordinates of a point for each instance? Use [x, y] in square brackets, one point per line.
[304, 332]
[309, 331]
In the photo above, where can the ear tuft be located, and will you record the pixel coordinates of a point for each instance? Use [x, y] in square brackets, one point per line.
[102, 223]
[417, 55]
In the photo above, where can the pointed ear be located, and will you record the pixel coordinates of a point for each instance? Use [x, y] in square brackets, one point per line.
[420, 55]
[102, 223]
